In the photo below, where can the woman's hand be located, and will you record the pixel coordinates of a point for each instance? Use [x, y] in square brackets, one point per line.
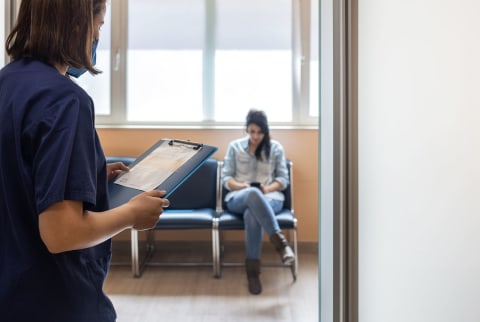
[232, 184]
[274, 186]
[114, 169]
[147, 208]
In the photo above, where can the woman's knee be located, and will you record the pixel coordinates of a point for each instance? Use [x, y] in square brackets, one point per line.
[254, 195]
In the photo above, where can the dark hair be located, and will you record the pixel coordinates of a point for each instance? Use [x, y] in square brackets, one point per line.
[55, 31]
[259, 118]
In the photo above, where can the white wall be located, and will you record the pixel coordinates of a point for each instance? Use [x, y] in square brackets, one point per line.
[419, 160]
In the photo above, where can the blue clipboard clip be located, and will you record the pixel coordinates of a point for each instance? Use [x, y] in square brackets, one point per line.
[195, 146]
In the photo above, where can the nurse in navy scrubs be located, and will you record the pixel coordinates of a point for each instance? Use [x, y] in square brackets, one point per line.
[55, 221]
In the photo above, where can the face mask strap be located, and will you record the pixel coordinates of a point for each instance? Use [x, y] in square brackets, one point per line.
[77, 72]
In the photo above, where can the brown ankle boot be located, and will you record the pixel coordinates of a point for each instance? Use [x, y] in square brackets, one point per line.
[283, 248]
[252, 266]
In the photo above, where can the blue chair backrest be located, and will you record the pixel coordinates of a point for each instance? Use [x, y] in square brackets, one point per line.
[199, 190]
[287, 204]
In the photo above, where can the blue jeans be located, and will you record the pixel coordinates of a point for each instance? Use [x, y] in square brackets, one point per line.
[258, 215]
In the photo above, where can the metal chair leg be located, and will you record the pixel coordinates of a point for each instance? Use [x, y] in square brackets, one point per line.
[138, 264]
[216, 249]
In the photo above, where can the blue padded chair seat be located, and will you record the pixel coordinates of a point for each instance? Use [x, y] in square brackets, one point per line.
[186, 219]
[230, 221]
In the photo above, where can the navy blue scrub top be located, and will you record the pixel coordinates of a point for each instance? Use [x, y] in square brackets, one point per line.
[49, 152]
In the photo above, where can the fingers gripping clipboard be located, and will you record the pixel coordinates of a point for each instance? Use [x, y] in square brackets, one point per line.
[164, 166]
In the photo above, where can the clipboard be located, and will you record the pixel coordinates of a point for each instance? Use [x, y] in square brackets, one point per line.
[164, 166]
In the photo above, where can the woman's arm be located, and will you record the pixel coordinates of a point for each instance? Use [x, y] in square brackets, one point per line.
[274, 186]
[65, 226]
[232, 184]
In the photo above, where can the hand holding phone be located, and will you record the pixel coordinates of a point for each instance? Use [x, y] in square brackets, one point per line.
[256, 185]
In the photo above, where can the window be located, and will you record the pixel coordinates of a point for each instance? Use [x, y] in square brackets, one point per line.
[314, 72]
[99, 86]
[165, 60]
[3, 11]
[253, 59]
[192, 62]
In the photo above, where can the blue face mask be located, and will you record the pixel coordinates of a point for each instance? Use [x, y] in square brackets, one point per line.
[75, 72]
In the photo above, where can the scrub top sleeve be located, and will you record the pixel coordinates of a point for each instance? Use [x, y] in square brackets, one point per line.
[64, 167]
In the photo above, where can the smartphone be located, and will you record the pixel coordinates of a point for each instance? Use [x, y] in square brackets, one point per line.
[255, 184]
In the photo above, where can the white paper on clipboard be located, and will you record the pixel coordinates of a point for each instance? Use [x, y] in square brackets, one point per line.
[155, 168]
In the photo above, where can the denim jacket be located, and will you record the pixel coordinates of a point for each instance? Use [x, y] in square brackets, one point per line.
[243, 166]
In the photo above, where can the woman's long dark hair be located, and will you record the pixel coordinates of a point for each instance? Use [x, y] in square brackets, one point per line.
[55, 31]
[259, 118]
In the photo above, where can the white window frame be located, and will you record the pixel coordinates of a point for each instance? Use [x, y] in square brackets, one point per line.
[119, 27]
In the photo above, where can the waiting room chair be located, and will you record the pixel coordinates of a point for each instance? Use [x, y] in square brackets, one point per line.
[230, 221]
[192, 206]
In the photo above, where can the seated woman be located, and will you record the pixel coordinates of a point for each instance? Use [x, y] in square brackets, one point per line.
[255, 173]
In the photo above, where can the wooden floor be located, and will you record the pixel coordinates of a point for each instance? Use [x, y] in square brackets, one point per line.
[192, 294]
